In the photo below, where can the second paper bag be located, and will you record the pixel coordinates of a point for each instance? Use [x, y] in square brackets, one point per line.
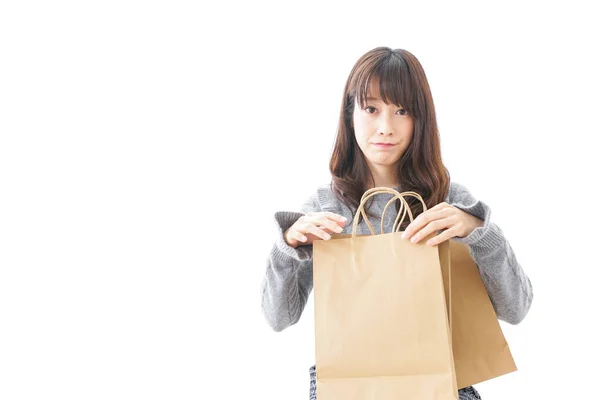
[380, 318]
[478, 344]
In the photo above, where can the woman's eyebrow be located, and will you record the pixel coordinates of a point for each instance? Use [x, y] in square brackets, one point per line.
[379, 99]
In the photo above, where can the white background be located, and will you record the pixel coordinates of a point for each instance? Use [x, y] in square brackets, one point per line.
[144, 147]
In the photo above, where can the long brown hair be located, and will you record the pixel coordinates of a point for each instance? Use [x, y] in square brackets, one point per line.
[402, 81]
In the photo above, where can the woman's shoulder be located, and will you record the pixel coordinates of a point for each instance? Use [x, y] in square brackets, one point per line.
[321, 198]
[326, 198]
[458, 193]
[325, 190]
[462, 198]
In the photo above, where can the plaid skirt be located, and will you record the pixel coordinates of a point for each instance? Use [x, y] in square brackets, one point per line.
[468, 393]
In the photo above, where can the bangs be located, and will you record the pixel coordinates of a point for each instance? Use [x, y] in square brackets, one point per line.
[393, 83]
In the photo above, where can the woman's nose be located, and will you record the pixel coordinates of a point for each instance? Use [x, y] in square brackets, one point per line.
[386, 127]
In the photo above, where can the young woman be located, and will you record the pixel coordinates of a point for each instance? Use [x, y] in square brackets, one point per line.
[388, 136]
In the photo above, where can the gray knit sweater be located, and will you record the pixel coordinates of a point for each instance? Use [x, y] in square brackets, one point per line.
[288, 280]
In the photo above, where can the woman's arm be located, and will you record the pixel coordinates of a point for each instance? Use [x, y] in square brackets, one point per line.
[508, 286]
[288, 280]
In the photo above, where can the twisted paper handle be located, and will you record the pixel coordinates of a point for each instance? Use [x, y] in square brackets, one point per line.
[404, 208]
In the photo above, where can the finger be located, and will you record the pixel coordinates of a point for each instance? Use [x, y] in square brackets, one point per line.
[335, 217]
[333, 226]
[322, 221]
[335, 223]
[442, 237]
[421, 221]
[313, 229]
[298, 236]
[430, 228]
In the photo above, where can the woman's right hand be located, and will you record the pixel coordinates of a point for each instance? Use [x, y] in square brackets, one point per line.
[314, 226]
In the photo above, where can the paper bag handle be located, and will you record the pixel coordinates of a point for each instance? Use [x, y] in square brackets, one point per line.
[404, 208]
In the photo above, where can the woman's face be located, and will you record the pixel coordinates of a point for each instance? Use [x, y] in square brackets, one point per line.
[382, 123]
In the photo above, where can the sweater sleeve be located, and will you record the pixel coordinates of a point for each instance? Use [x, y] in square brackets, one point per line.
[288, 280]
[508, 286]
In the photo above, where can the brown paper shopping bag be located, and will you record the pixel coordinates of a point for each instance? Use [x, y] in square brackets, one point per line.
[381, 324]
[479, 347]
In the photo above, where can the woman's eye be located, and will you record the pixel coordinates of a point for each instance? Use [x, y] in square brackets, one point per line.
[371, 110]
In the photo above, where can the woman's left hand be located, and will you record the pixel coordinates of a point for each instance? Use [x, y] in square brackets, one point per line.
[442, 217]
